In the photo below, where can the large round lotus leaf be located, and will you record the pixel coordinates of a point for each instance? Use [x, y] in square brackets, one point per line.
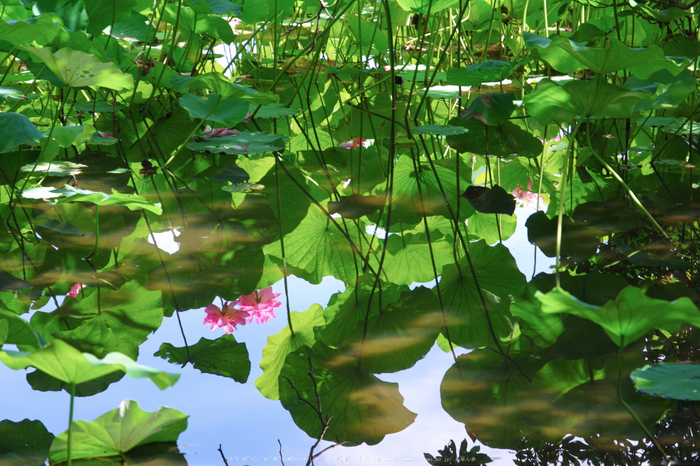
[678, 381]
[567, 56]
[284, 342]
[504, 140]
[492, 108]
[320, 386]
[229, 112]
[118, 431]
[400, 335]
[473, 75]
[629, 316]
[79, 69]
[244, 143]
[423, 7]
[575, 99]
[471, 290]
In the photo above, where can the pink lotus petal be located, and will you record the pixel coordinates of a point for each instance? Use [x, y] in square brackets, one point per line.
[75, 289]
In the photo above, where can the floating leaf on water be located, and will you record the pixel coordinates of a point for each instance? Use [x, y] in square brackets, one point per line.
[55, 168]
[441, 130]
[246, 188]
[243, 143]
[473, 75]
[679, 381]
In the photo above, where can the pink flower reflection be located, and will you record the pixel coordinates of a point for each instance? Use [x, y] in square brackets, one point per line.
[259, 305]
[75, 289]
[525, 198]
[229, 318]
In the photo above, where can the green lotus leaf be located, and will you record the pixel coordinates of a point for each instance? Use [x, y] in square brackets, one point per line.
[504, 140]
[16, 129]
[410, 257]
[54, 169]
[441, 130]
[627, 318]
[280, 345]
[576, 99]
[273, 110]
[118, 431]
[19, 331]
[40, 30]
[400, 335]
[229, 112]
[677, 381]
[478, 73]
[79, 69]
[319, 249]
[120, 321]
[243, 143]
[411, 202]
[491, 228]
[492, 108]
[223, 356]
[103, 13]
[494, 200]
[67, 364]
[423, 7]
[25, 442]
[499, 281]
[131, 201]
[568, 56]
[357, 406]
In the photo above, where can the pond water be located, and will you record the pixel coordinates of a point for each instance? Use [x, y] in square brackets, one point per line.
[248, 426]
[416, 231]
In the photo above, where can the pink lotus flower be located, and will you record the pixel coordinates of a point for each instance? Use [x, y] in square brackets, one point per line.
[75, 289]
[525, 198]
[229, 318]
[354, 142]
[259, 305]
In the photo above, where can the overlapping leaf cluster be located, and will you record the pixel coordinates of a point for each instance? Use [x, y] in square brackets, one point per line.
[121, 120]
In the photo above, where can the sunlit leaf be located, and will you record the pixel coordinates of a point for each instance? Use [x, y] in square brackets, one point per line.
[575, 99]
[280, 345]
[678, 381]
[118, 431]
[567, 56]
[229, 112]
[132, 201]
[319, 248]
[629, 316]
[79, 69]
[67, 364]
